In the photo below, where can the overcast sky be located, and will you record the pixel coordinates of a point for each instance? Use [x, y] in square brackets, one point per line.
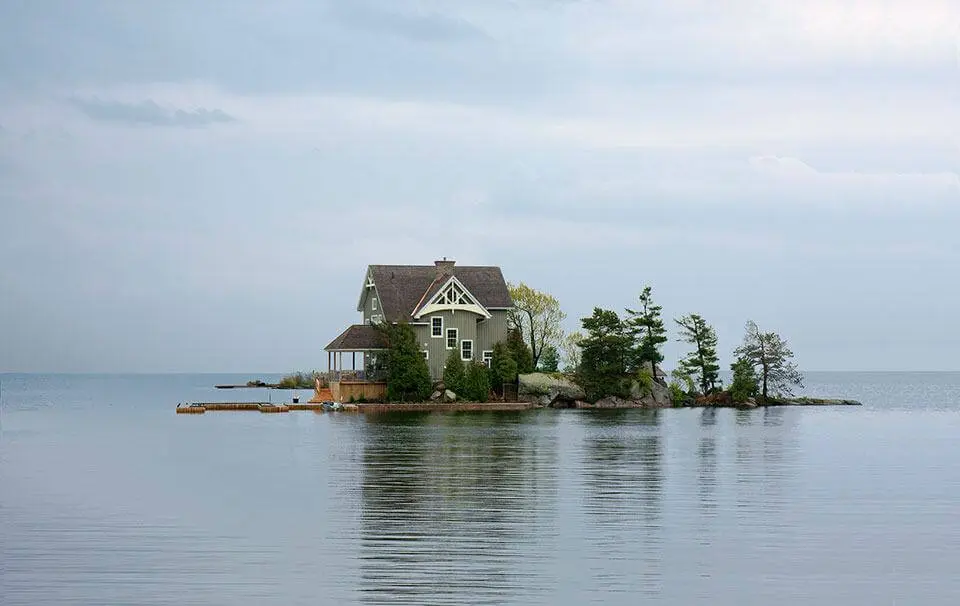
[199, 186]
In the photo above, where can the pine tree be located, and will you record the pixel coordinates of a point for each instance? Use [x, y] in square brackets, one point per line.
[604, 359]
[550, 360]
[503, 367]
[772, 358]
[645, 327]
[408, 377]
[702, 362]
[520, 351]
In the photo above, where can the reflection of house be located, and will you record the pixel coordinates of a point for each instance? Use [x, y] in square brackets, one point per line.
[451, 309]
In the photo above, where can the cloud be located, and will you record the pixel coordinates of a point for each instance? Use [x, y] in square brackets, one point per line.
[149, 112]
[417, 24]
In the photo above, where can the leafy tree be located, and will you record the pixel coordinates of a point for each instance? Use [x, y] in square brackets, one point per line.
[745, 384]
[503, 367]
[408, 377]
[550, 360]
[454, 373]
[770, 356]
[604, 353]
[538, 317]
[476, 386]
[520, 351]
[645, 326]
[702, 362]
[571, 351]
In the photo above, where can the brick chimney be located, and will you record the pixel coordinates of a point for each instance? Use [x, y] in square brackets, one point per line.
[444, 267]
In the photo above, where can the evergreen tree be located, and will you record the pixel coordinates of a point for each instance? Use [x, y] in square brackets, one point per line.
[702, 362]
[408, 376]
[476, 386]
[605, 350]
[503, 367]
[454, 373]
[645, 327]
[550, 360]
[520, 351]
[745, 384]
[769, 354]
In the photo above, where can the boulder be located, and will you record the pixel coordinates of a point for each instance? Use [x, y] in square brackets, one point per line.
[449, 396]
[657, 396]
[546, 389]
[436, 396]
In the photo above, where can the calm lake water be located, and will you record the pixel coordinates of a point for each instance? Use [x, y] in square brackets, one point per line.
[108, 497]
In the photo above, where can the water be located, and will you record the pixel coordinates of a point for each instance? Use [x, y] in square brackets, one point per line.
[108, 497]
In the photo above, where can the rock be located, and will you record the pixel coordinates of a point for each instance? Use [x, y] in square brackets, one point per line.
[449, 396]
[546, 389]
[658, 395]
[435, 396]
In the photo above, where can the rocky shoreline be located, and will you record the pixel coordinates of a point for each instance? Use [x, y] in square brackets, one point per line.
[557, 391]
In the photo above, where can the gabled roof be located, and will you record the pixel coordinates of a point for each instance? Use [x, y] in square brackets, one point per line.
[359, 337]
[405, 288]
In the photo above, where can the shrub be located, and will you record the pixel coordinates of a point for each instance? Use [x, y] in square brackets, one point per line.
[454, 373]
[408, 377]
[745, 384]
[476, 385]
[503, 367]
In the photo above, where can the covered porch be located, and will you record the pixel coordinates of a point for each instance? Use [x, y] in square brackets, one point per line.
[355, 365]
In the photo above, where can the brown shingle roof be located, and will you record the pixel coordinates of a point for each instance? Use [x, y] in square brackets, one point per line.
[359, 337]
[404, 288]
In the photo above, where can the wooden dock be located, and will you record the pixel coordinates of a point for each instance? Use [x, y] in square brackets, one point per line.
[265, 407]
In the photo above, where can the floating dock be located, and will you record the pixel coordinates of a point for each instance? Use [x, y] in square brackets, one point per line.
[197, 408]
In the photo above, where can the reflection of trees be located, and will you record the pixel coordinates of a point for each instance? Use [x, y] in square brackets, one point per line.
[452, 505]
[623, 476]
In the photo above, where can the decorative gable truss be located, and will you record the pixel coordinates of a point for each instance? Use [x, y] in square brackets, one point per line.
[453, 296]
[368, 288]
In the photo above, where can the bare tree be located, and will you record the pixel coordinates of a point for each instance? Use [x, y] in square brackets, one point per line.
[770, 355]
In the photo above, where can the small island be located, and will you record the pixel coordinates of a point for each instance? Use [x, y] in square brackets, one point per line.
[525, 359]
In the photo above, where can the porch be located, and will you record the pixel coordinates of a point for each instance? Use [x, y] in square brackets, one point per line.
[362, 348]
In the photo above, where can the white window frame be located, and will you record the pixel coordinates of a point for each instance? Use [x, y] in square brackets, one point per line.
[456, 337]
[373, 303]
[487, 357]
[462, 343]
[375, 318]
[443, 333]
[426, 354]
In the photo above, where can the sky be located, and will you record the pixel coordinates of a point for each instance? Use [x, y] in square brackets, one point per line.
[199, 186]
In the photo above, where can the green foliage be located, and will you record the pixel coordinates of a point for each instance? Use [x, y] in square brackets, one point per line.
[476, 385]
[297, 380]
[702, 362]
[520, 351]
[408, 377]
[772, 359]
[550, 360]
[678, 397]
[682, 379]
[604, 353]
[645, 327]
[454, 373]
[571, 351]
[745, 384]
[645, 381]
[503, 367]
[537, 316]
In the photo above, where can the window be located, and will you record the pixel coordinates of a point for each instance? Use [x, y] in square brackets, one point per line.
[376, 319]
[466, 349]
[436, 327]
[487, 358]
[452, 338]
[373, 303]
[426, 354]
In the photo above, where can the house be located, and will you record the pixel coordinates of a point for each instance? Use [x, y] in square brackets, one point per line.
[451, 308]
